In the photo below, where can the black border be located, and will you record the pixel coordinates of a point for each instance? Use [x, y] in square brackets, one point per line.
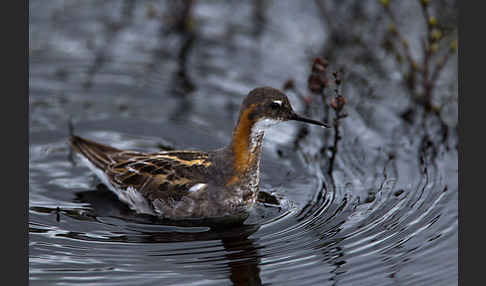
[471, 95]
[15, 159]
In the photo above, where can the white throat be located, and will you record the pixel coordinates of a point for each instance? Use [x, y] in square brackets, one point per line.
[262, 125]
[258, 130]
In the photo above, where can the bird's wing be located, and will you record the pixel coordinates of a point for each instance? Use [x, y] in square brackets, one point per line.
[166, 175]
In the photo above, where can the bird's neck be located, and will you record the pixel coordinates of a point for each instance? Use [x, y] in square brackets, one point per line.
[246, 147]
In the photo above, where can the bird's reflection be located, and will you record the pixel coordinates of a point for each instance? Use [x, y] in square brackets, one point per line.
[240, 251]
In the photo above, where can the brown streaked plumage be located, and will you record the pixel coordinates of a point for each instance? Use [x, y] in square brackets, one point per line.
[194, 184]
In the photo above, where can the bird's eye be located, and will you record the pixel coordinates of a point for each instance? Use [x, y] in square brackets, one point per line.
[275, 105]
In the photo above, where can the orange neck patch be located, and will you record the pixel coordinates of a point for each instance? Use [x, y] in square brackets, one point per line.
[244, 158]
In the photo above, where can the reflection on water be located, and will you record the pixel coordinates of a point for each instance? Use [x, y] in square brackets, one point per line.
[146, 75]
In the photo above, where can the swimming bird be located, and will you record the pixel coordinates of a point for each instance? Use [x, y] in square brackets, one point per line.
[194, 184]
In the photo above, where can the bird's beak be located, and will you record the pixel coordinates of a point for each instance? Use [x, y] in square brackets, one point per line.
[297, 117]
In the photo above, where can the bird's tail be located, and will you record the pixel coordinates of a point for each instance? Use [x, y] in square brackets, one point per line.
[98, 154]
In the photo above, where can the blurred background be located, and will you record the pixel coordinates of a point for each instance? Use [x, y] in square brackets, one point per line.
[371, 201]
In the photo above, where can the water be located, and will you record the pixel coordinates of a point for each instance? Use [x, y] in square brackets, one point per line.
[127, 74]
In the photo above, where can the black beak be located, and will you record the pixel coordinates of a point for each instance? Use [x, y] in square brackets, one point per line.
[297, 117]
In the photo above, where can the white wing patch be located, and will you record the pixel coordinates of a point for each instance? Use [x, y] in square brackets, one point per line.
[279, 102]
[197, 187]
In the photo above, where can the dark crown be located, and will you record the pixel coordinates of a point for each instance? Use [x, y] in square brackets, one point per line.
[268, 102]
[271, 103]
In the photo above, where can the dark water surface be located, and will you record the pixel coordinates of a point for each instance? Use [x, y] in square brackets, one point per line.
[127, 74]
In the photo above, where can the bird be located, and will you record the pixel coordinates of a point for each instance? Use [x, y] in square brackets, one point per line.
[188, 184]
